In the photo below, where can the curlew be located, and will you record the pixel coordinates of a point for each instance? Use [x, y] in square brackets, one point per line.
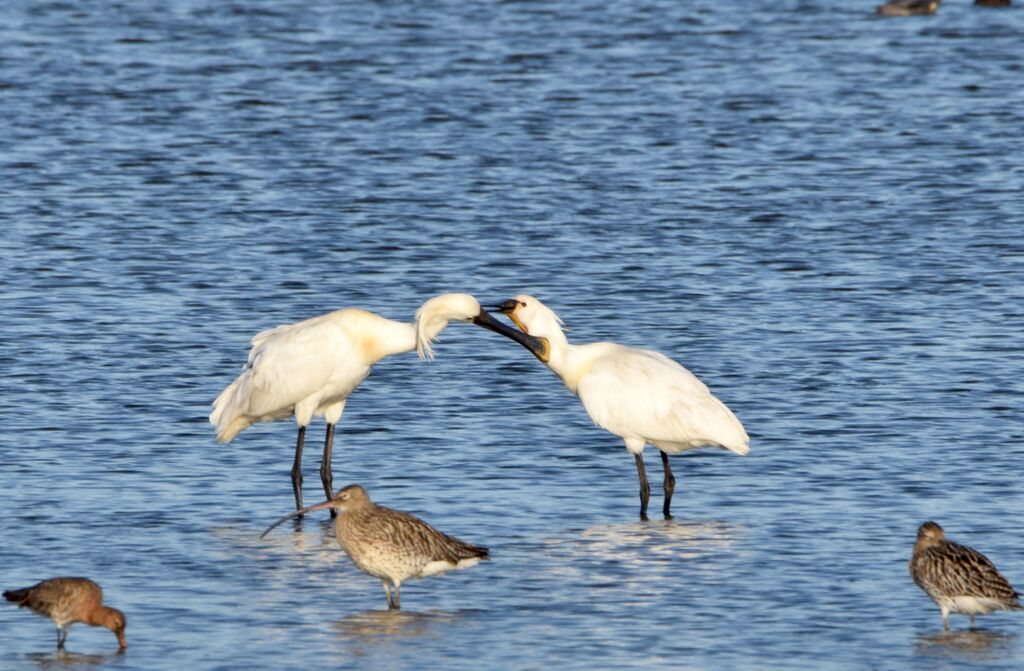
[67, 601]
[389, 544]
[958, 579]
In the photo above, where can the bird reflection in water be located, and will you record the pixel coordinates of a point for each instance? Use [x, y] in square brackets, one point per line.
[318, 540]
[636, 542]
[967, 644]
[374, 627]
[64, 659]
[633, 545]
[323, 542]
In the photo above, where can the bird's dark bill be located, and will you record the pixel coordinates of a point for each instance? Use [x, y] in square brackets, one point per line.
[508, 308]
[539, 347]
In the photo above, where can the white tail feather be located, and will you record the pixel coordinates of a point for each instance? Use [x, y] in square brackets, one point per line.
[227, 414]
[443, 566]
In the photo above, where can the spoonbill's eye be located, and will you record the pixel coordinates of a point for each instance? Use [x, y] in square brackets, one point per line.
[522, 304]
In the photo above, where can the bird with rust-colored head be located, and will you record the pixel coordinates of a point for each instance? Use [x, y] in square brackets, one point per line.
[67, 601]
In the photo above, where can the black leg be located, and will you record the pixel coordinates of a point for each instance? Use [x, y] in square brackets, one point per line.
[645, 489]
[297, 468]
[670, 485]
[325, 467]
[61, 637]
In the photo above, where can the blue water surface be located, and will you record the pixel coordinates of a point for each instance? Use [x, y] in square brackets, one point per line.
[816, 210]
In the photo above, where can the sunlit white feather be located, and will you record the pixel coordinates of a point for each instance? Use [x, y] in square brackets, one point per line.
[308, 369]
[640, 395]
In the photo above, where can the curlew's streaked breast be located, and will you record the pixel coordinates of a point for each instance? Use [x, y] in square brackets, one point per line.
[391, 545]
[958, 578]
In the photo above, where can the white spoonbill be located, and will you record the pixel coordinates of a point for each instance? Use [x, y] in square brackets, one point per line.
[640, 395]
[311, 367]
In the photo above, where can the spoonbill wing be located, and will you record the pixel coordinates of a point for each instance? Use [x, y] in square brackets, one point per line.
[290, 363]
[637, 393]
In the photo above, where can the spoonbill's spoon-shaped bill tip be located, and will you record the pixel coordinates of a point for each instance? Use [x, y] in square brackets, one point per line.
[539, 347]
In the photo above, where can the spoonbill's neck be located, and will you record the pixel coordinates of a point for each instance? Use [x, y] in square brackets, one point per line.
[563, 356]
[379, 337]
[572, 362]
[403, 339]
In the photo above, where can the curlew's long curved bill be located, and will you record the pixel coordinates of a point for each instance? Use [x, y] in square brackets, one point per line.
[539, 347]
[319, 506]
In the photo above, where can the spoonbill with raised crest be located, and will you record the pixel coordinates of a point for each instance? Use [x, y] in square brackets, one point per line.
[310, 368]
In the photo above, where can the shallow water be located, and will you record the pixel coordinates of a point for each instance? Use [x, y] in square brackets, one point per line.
[816, 210]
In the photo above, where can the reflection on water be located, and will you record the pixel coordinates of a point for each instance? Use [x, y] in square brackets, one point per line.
[966, 643]
[640, 542]
[65, 658]
[310, 537]
[631, 558]
[373, 626]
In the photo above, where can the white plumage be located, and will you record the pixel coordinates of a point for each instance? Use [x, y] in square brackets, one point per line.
[305, 369]
[309, 369]
[639, 395]
[645, 397]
